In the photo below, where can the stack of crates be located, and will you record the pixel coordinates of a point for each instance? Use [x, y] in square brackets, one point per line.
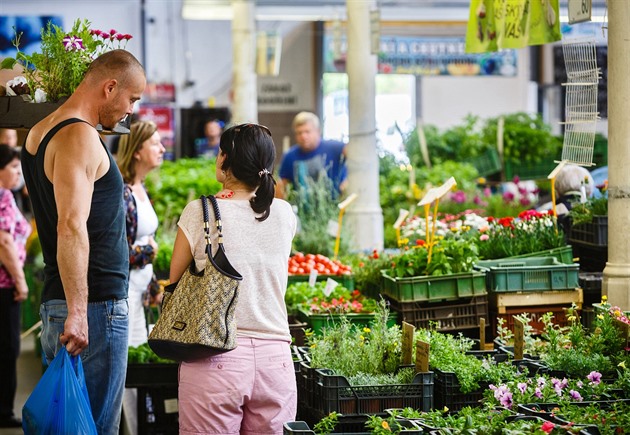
[534, 285]
[454, 302]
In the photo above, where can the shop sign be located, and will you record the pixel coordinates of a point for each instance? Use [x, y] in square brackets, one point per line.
[423, 56]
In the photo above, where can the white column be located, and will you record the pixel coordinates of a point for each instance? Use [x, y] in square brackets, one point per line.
[245, 104]
[616, 283]
[364, 216]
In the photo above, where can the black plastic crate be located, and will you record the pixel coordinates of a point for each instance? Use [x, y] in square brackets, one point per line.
[591, 284]
[464, 313]
[334, 393]
[448, 392]
[592, 258]
[151, 375]
[158, 411]
[594, 233]
[345, 425]
[305, 384]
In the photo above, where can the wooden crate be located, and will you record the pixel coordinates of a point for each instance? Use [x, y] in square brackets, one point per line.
[500, 302]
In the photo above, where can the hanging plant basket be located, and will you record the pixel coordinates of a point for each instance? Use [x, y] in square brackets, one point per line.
[19, 113]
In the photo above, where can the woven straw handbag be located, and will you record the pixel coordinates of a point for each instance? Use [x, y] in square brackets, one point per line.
[197, 316]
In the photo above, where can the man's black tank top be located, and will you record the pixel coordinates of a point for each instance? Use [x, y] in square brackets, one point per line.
[108, 265]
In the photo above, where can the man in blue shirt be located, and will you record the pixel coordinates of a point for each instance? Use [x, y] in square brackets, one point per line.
[311, 156]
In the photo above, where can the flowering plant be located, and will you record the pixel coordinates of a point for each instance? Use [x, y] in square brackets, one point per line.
[448, 255]
[317, 300]
[65, 57]
[548, 389]
[532, 231]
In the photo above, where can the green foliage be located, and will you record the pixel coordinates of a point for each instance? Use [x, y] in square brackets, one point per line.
[327, 424]
[59, 69]
[576, 351]
[449, 255]
[360, 353]
[526, 138]
[583, 213]
[144, 354]
[315, 208]
[171, 187]
[367, 271]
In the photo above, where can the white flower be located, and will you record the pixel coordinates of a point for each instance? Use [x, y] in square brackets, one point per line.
[40, 96]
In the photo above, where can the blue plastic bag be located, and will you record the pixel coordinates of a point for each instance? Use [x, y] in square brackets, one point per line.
[59, 404]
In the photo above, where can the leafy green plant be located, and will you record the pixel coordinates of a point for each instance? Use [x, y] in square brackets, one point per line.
[448, 255]
[526, 138]
[327, 424]
[314, 299]
[315, 208]
[361, 352]
[577, 351]
[64, 58]
[582, 213]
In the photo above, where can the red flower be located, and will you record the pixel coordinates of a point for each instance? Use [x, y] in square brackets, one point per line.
[547, 426]
[375, 254]
[420, 242]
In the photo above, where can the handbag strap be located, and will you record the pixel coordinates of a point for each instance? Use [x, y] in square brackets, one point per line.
[206, 219]
[219, 260]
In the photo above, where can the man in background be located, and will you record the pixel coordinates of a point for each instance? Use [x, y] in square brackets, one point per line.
[311, 157]
[208, 146]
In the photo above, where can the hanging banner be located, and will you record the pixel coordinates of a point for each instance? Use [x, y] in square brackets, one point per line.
[497, 24]
[423, 56]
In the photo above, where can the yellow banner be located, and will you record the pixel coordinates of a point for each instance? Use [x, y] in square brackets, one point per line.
[499, 24]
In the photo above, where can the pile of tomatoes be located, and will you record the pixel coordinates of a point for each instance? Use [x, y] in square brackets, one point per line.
[300, 264]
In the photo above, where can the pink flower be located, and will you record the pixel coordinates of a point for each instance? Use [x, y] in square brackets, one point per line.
[522, 386]
[71, 43]
[484, 237]
[538, 393]
[506, 400]
[575, 395]
[594, 377]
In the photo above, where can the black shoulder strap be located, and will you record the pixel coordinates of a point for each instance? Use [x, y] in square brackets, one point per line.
[219, 259]
[53, 131]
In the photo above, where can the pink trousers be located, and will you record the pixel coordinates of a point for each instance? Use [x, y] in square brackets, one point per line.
[249, 390]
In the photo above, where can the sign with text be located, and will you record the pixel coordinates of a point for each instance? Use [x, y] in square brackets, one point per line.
[424, 56]
[499, 24]
[579, 11]
[164, 119]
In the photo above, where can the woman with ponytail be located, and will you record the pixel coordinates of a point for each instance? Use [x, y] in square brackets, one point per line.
[252, 388]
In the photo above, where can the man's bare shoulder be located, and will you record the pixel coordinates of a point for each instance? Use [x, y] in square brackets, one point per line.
[77, 134]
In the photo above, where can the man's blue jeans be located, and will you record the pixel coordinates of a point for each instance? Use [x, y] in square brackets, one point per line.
[105, 358]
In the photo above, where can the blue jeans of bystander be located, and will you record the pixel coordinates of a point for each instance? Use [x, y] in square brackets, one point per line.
[105, 358]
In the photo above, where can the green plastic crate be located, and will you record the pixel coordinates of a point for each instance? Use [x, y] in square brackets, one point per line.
[345, 280]
[435, 288]
[528, 274]
[487, 163]
[528, 170]
[317, 322]
[564, 254]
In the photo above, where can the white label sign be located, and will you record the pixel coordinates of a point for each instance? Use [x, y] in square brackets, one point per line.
[579, 11]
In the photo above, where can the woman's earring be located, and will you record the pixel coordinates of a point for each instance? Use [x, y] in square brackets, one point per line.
[223, 173]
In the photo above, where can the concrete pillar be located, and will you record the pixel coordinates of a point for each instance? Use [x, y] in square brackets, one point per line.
[245, 97]
[616, 283]
[364, 216]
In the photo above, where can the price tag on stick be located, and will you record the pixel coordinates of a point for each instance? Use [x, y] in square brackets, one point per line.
[407, 342]
[519, 338]
[482, 333]
[422, 356]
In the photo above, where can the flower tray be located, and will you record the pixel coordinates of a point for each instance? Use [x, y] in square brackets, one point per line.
[591, 284]
[345, 425]
[487, 163]
[448, 316]
[594, 233]
[564, 254]
[345, 280]
[528, 274]
[334, 393]
[434, 288]
[317, 322]
[151, 375]
[296, 328]
[528, 170]
[592, 258]
[536, 312]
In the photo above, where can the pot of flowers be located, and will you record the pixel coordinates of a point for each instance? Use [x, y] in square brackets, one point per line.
[51, 76]
[434, 272]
